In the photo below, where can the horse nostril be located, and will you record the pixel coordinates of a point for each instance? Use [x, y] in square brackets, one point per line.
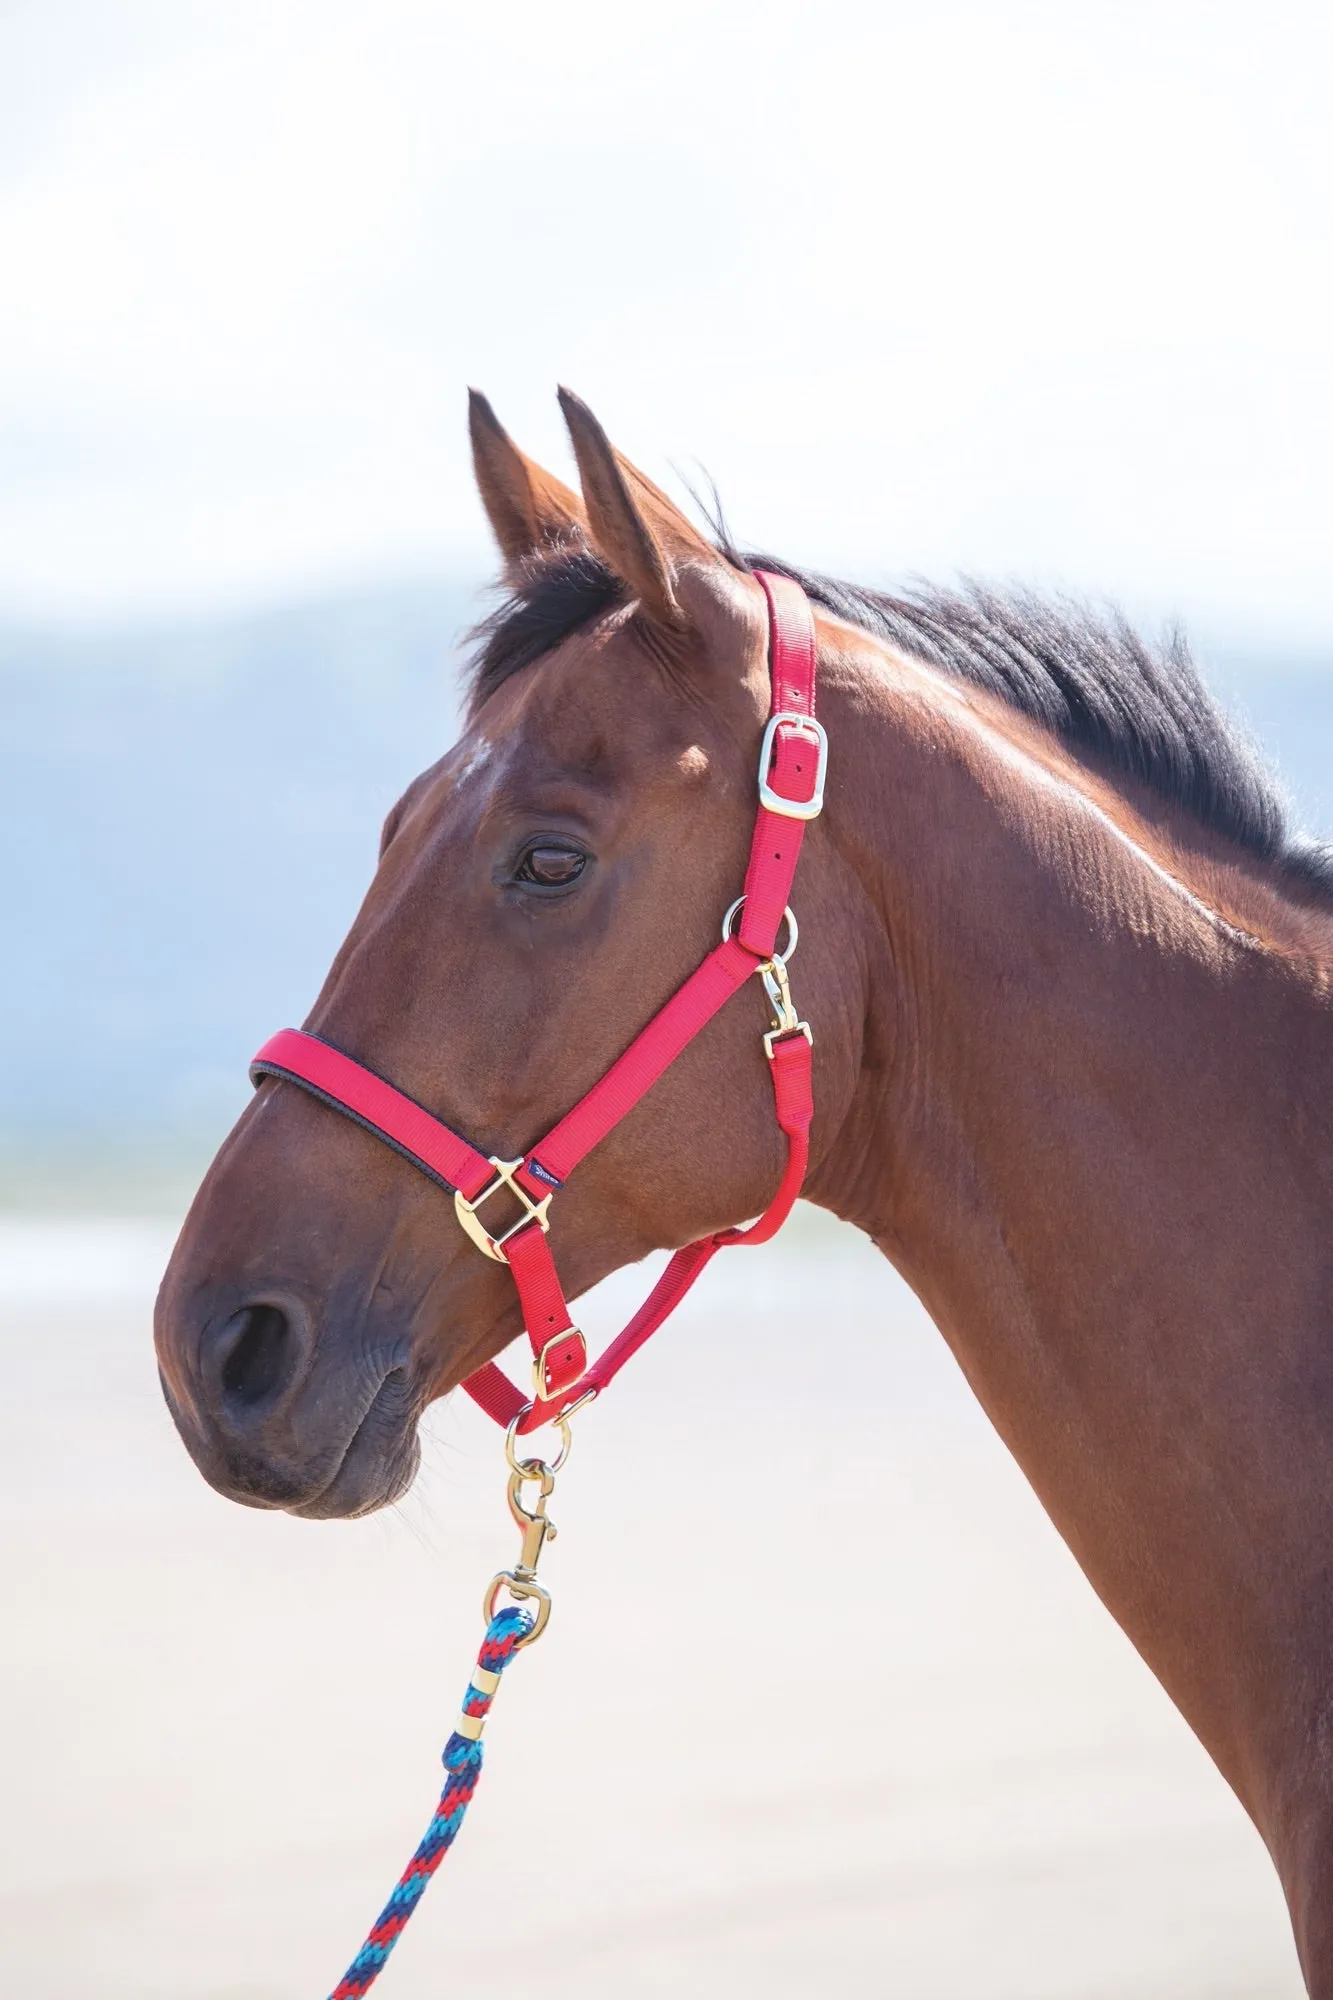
[260, 1351]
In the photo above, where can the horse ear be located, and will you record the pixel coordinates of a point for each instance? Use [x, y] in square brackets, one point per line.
[641, 533]
[528, 509]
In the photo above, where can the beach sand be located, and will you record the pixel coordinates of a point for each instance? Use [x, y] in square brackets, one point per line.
[825, 1705]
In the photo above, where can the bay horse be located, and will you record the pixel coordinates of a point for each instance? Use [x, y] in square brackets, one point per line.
[1071, 983]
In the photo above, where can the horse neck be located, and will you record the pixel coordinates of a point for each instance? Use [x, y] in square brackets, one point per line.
[1057, 1018]
[1092, 1129]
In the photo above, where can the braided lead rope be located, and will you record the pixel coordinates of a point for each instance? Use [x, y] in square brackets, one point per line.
[462, 1760]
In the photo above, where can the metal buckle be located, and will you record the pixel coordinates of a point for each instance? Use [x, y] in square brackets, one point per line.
[466, 1211]
[539, 1390]
[774, 801]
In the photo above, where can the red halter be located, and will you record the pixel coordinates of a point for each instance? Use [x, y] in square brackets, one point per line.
[791, 791]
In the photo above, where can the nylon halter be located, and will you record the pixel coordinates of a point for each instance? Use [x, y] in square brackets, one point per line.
[792, 764]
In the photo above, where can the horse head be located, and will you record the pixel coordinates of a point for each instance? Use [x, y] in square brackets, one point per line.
[541, 891]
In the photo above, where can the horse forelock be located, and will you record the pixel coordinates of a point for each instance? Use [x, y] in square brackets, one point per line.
[556, 596]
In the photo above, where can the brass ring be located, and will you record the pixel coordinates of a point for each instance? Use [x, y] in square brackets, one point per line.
[532, 1468]
[793, 932]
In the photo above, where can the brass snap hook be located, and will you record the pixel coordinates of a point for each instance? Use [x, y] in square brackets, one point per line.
[533, 1523]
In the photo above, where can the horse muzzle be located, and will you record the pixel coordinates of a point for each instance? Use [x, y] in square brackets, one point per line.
[269, 1426]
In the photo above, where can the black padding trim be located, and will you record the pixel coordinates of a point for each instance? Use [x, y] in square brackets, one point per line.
[259, 1070]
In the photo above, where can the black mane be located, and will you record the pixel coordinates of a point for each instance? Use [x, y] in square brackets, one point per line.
[1089, 679]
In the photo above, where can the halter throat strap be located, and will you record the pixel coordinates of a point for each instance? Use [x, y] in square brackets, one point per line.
[791, 785]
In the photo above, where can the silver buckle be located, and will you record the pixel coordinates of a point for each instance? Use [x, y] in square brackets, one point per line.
[774, 801]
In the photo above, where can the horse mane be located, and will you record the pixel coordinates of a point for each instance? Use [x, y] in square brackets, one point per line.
[1089, 678]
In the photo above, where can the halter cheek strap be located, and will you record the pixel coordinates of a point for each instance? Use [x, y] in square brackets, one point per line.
[791, 791]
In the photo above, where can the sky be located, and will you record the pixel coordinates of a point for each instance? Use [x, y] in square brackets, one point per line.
[1040, 292]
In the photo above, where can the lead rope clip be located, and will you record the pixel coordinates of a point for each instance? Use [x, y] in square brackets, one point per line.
[535, 1526]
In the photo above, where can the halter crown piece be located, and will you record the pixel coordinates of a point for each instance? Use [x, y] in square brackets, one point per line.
[792, 764]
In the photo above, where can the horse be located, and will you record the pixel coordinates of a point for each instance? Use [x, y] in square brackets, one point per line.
[1070, 978]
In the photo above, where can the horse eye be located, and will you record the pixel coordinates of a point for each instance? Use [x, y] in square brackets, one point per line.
[552, 867]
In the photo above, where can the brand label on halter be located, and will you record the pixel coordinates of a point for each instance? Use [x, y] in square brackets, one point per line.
[541, 1173]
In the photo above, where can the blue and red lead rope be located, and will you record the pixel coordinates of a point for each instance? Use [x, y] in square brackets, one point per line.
[462, 1760]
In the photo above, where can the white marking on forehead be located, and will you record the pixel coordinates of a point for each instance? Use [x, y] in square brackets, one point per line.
[473, 760]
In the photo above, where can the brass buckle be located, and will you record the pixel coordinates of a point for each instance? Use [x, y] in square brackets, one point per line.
[539, 1391]
[774, 802]
[466, 1211]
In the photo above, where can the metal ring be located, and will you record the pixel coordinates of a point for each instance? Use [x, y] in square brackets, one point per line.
[532, 1468]
[524, 1588]
[780, 957]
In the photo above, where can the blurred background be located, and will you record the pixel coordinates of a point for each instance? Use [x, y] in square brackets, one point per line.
[1027, 291]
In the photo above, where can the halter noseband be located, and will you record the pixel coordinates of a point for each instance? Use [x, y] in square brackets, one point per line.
[791, 791]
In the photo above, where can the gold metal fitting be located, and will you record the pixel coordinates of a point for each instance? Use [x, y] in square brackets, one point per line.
[534, 1211]
[539, 1390]
[560, 1425]
[532, 1524]
[786, 1020]
[523, 1587]
[536, 1528]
